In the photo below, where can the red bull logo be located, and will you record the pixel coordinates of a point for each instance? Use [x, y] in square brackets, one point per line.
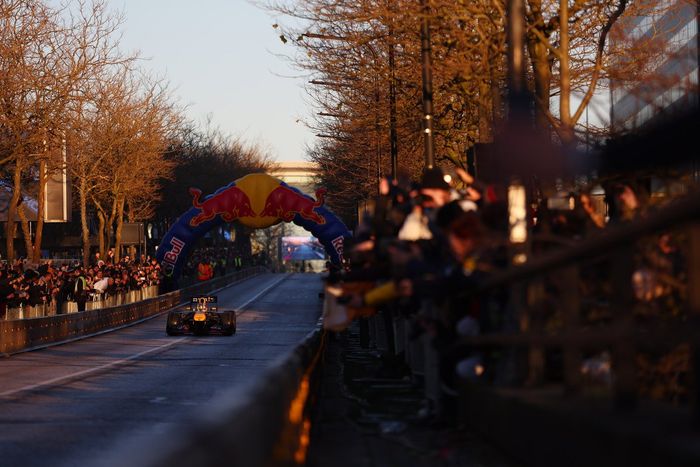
[285, 203]
[257, 200]
[338, 246]
[171, 257]
[230, 204]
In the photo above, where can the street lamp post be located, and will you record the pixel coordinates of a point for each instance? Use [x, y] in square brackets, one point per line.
[377, 131]
[377, 126]
[516, 56]
[393, 136]
[427, 86]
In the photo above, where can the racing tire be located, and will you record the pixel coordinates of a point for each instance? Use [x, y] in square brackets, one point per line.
[171, 327]
[231, 323]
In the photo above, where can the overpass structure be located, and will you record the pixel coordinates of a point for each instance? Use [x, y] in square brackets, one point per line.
[304, 176]
[301, 174]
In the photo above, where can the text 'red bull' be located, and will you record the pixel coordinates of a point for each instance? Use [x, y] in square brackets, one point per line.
[171, 257]
[230, 204]
[284, 203]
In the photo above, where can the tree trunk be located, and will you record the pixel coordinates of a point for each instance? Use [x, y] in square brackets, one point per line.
[24, 222]
[26, 231]
[118, 233]
[542, 73]
[101, 233]
[38, 234]
[487, 118]
[10, 231]
[84, 222]
[564, 74]
[485, 107]
[495, 90]
[110, 222]
[11, 226]
[129, 212]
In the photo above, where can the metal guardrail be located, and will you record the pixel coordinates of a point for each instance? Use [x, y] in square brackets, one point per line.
[265, 423]
[96, 303]
[24, 334]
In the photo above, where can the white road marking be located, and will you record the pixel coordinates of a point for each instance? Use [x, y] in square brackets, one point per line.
[79, 374]
[63, 379]
[260, 293]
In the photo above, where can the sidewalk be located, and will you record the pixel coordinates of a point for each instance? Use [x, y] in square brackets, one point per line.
[368, 415]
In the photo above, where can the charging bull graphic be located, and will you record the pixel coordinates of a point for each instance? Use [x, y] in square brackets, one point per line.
[257, 201]
[286, 203]
[230, 204]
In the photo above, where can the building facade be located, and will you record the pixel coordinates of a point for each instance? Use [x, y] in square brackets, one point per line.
[668, 84]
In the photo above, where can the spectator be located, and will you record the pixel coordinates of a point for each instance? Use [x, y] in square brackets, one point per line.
[63, 293]
[204, 270]
[80, 289]
[101, 283]
[6, 293]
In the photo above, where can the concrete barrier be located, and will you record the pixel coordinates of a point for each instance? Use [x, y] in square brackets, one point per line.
[264, 423]
[24, 334]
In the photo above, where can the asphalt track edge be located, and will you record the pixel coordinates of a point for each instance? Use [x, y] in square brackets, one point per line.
[106, 331]
[16, 394]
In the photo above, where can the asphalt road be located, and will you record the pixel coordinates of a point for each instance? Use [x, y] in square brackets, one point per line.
[72, 404]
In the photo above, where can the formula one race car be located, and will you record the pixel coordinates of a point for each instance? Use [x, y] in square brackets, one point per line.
[202, 316]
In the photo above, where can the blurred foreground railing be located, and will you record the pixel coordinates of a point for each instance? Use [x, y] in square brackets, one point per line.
[621, 332]
[574, 359]
[263, 423]
[580, 329]
[33, 332]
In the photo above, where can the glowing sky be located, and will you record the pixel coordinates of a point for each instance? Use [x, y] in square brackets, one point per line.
[221, 56]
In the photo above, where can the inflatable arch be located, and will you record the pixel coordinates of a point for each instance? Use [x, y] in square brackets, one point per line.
[258, 201]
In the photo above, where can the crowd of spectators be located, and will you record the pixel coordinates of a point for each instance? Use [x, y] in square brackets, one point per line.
[206, 263]
[25, 285]
[427, 247]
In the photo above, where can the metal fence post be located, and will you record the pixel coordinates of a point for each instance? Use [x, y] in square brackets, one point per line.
[518, 371]
[571, 308]
[532, 316]
[364, 333]
[623, 351]
[431, 382]
[693, 262]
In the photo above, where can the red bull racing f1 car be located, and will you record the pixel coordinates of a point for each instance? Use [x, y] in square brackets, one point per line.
[201, 316]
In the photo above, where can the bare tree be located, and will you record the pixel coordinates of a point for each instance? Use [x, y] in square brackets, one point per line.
[27, 53]
[571, 55]
[49, 56]
[363, 63]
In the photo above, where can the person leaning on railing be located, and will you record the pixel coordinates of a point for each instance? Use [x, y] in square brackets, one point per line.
[6, 293]
[80, 289]
[424, 249]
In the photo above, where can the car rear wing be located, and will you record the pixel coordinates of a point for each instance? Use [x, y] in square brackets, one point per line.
[208, 301]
